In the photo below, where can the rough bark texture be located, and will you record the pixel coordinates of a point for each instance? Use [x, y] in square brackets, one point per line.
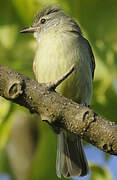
[58, 110]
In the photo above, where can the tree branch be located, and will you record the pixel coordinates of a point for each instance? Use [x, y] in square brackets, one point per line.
[58, 110]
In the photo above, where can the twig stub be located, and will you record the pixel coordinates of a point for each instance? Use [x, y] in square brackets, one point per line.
[53, 85]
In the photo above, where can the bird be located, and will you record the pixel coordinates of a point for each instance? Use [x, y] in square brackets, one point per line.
[60, 44]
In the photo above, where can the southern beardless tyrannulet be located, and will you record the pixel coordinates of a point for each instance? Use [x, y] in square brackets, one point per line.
[60, 44]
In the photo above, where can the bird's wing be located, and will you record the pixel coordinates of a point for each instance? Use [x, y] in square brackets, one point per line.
[92, 58]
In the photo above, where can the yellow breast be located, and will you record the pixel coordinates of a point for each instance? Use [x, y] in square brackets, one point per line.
[54, 56]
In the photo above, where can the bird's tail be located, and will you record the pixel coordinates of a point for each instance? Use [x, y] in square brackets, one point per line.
[71, 159]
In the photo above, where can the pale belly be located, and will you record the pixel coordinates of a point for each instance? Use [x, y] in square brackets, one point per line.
[51, 64]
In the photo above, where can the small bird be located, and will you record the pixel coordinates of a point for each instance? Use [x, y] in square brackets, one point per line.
[60, 44]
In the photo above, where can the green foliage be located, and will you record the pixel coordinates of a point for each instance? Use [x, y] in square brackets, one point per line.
[98, 20]
[100, 173]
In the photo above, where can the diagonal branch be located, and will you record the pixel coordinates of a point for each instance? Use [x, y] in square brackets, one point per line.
[58, 110]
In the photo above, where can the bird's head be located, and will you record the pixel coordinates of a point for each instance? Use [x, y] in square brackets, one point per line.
[51, 17]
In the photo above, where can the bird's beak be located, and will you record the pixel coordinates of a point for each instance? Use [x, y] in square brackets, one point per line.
[30, 29]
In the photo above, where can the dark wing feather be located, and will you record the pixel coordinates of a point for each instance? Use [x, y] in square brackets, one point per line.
[92, 59]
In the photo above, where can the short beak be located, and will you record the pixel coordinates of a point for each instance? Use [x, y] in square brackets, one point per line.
[30, 30]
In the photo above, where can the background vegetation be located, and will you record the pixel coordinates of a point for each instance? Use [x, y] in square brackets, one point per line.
[28, 147]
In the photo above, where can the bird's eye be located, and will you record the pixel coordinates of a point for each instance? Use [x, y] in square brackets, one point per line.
[43, 21]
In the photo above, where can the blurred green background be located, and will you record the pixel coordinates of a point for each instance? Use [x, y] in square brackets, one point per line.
[27, 146]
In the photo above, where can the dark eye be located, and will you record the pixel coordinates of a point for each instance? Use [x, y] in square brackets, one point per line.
[43, 21]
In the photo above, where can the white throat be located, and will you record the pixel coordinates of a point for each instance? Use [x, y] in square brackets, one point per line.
[36, 36]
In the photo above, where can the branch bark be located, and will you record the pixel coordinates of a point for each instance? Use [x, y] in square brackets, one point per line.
[58, 110]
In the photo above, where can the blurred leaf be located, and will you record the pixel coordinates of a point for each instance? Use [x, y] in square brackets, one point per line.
[8, 35]
[23, 7]
[5, 124]
[44, 165]
[4, 164]
[100, 173]
[4, 108]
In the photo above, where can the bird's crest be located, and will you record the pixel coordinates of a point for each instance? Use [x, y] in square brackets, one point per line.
[46, 11]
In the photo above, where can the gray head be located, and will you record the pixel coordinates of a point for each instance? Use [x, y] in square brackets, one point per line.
[52, 17]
